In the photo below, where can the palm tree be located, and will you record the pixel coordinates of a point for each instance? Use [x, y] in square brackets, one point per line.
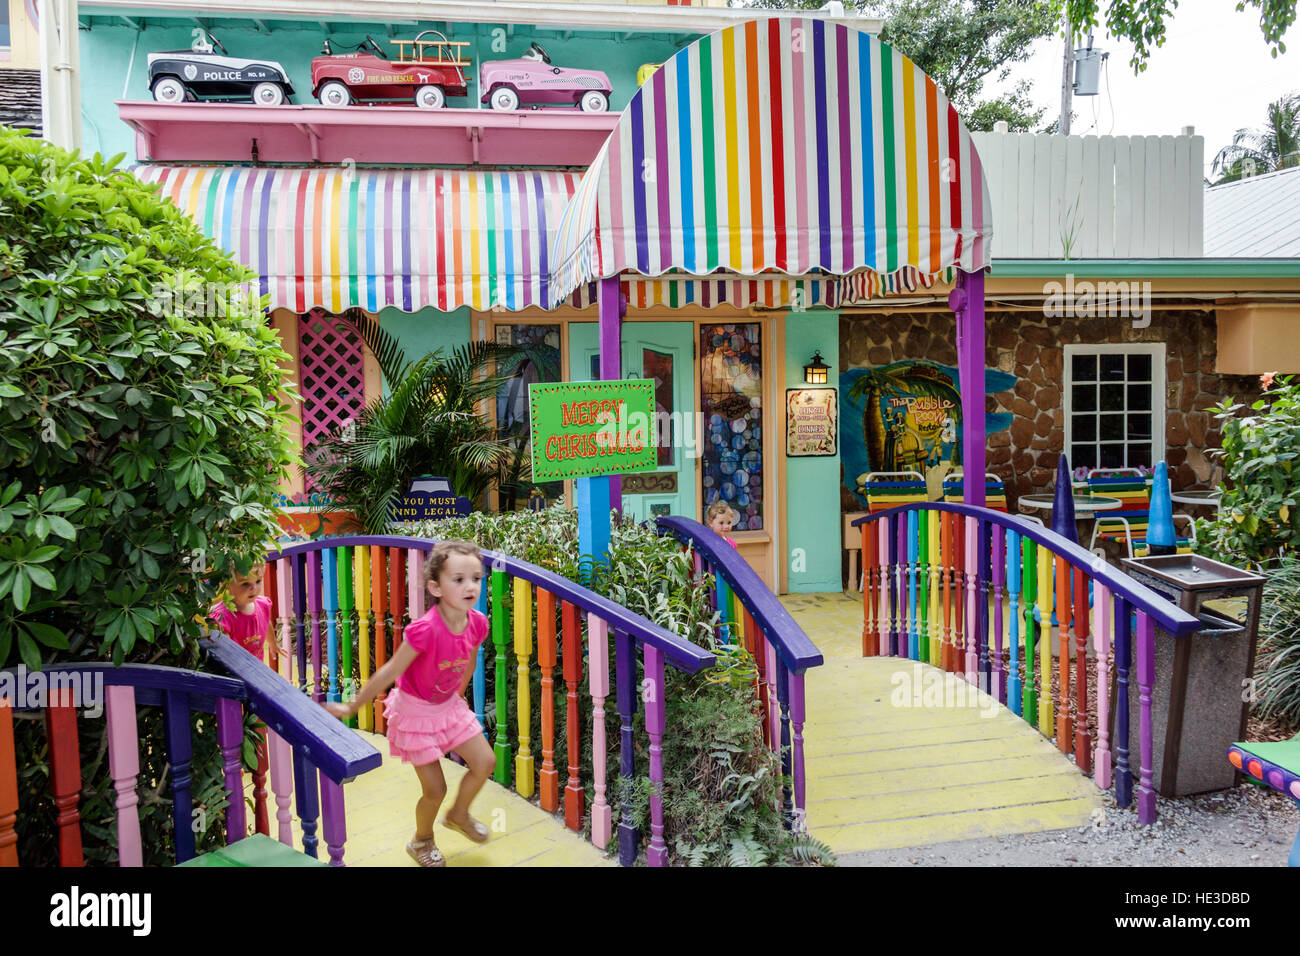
[428, 424]
[1275, 146]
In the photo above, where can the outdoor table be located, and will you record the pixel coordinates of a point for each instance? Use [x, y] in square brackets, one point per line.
[1207, 499]
[1084, 505]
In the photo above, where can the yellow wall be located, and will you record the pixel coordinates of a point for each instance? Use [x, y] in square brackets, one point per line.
[24, 43]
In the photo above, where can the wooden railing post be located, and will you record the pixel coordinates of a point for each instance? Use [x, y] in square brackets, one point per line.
[1013, 623]
[574, 798]
[230, 738]
[1101, 611]
[999, 560]
[653, 695]
[314, 603]
[1082, 739]
[549, 778]
[1146, 662]
[598, 681]
[305, 787]
[1064, 723]
[625, 675]
[65, 775]
[8, 787]
[180, 750]
[333, 819]
[1123, 651]
[501, 689]
[523, 620]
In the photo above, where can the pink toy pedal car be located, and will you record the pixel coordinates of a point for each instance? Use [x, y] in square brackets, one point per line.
[533, 81]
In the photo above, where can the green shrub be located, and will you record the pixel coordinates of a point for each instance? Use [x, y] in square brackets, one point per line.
[722, 786]
[1258, 517]
[142, 440]
[1277, 668]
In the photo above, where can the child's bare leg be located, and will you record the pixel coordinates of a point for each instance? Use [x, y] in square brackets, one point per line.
[434, 785]
[479, 762]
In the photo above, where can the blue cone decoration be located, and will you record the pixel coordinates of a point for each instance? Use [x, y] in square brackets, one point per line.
[1160, 526]
[1063, 503]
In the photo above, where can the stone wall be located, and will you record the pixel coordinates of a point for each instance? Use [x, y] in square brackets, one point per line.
[1031, 347]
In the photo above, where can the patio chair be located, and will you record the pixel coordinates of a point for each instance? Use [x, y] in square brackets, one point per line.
[889, 489]
[1128, 523]
[995, 493]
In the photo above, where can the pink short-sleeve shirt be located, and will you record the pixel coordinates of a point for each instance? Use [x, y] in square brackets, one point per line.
[436, 673]
[246, 630]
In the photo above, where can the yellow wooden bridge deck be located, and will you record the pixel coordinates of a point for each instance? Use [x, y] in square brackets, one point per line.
[880, 776]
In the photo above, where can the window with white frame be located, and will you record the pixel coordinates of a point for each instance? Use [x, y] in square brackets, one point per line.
[1114, 402]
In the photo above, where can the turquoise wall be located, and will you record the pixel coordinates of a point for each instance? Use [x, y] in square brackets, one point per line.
[109, 73]
[419, 333]
[812, 485]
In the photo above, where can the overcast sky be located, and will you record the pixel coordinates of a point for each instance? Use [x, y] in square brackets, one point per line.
[1214, 72]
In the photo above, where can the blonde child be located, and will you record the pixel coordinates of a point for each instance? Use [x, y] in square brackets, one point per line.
[426, 712]
[720, 517]
[249, 623]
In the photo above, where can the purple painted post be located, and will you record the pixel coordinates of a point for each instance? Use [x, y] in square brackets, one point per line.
[999, 576]
[798, 714]
[230, 735]
[899, 557]
[1146, 665]
[314, 605]
[307, 790]
[1123, 650]
[299, 613]
[625, 685]
[611, 307]
[333, 821]
[657, 853]
[787, 765]
[967, 300]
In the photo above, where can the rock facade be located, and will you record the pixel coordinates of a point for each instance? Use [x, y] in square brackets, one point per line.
[1031, 346]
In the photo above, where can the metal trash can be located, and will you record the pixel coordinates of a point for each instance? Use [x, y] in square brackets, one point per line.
[1200, 685]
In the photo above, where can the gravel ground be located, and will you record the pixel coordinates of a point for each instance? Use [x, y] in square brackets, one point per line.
[1247, 826]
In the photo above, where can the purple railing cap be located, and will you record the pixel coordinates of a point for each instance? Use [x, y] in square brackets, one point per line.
[306, 725]
[679, 652]
[1170, 617]
[155, 677]
[792, 645]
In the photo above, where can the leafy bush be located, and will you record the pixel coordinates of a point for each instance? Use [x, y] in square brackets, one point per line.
[142, 434]
[1258, 516]
[722, 786]
[1277, 669]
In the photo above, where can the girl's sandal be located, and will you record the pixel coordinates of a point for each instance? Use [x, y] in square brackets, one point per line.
[425, 853]
[476, 833]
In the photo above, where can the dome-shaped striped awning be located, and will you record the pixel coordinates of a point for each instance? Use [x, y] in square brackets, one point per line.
[781, 147]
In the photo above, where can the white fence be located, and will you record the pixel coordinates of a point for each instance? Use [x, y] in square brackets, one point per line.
[1094, 197]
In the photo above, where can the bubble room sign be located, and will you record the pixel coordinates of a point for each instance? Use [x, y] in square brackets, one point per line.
[591, 429]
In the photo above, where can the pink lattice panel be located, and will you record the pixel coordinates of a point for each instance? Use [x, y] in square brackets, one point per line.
[333, 377]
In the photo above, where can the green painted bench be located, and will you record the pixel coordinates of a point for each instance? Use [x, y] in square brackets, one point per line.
[1275, 765]
[256, 850]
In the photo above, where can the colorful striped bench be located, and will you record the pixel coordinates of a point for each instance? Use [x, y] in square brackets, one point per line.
[1275, 765]
[889, 489]
[995, 493]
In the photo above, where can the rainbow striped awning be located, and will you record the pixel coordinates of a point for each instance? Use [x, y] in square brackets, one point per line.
[786, 147]
[335, 238]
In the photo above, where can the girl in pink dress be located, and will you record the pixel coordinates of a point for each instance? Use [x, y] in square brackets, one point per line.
[427, 714]
[249, 623]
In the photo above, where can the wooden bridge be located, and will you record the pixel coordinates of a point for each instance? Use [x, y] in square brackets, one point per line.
[880, 776]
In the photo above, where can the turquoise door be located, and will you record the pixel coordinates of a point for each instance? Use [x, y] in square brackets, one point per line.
[664, 353]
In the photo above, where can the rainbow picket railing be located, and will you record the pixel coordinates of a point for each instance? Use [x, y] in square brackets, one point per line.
[326, 594]
[982, 594]
[782, 652]
[309, 754]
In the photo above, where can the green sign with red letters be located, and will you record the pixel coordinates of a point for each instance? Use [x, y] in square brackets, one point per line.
[590, 429]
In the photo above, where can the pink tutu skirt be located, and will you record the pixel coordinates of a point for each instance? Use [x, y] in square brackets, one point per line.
[420, 732]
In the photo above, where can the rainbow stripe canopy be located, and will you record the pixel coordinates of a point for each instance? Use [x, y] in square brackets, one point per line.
[781, 147]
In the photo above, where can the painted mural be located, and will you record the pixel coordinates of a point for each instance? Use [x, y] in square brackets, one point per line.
[906, 416]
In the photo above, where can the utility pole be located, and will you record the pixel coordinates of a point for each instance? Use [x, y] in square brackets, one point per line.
[1067, 78]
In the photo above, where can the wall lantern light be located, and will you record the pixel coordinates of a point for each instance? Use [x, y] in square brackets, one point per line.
[814, 373]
